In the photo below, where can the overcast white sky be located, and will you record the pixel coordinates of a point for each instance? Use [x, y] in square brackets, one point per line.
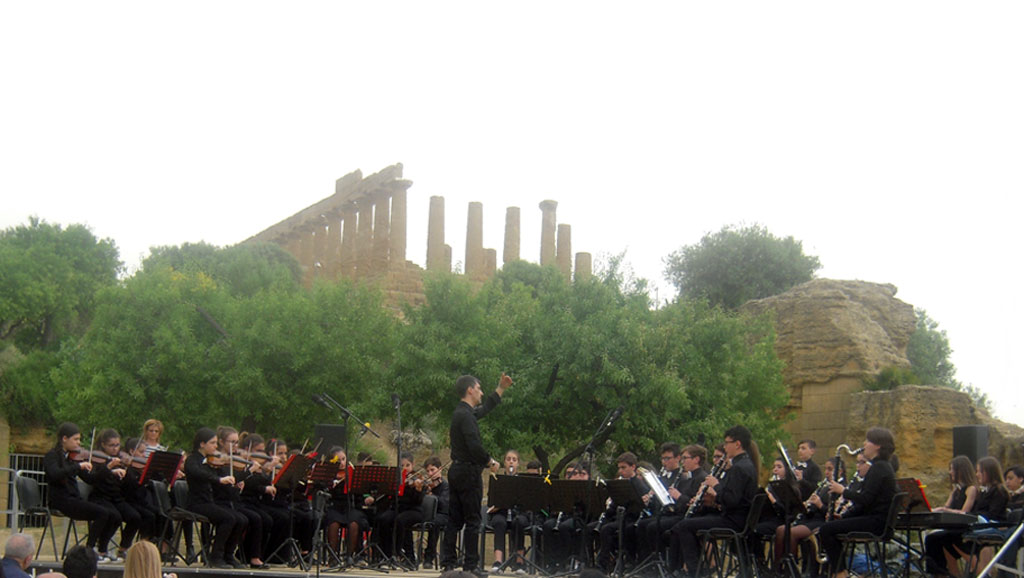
[887, 136]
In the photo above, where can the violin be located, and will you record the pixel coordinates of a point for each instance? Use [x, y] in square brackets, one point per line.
[137, 462]
[94, 456]
[218, 459]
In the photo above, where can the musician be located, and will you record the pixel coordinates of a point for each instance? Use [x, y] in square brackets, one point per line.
[107, 490]
[965, 489]
[679, 469]
[774, 514]
[258, 489]
[292, 505]
[1014, 477]
[468, 460]
[343, 511]
[202, 476]
[818, 506]
[944, 547]
[152, 430]
[140, 496]
[871, 500]
[560, 536]
[732, 495]
[805, 468]
[229, 496]
[62, 475]
[436, 486]
[397, 528]
[499, 518]
[608, 531]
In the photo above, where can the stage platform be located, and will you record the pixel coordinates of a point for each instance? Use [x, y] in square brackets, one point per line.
[196, 571]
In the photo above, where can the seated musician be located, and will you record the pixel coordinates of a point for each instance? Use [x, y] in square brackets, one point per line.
[229, 496]
[964, 482]
[62, 474]
[774, 513]
[258, 490]
[436, 486]
[202, 475]
[560, 537]
[608, 531]
[805, 468]
[944, 548]
[1014, 478]
[672, 477]
[107, 490]
[343, 512]
[395, 529]
[732, 496]
[500, 518]
[818, 509]
[871, 500]
[140, 496]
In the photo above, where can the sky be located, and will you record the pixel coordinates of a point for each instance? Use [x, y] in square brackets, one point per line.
[886, 136]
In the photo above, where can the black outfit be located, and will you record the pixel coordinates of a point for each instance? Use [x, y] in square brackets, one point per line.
[229, 498]
[990, 503]
[734, 495]
[812, 473]
[274, 521]
[608, 532]
[228, 525]
[397, 528]
[342, 511]
[650, 530]
[871, 501]
[107, 491]
[442, 492]
[62, 479]
[469, 458]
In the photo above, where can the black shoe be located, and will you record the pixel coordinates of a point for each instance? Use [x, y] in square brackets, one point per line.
[479, 572]
[219, 563]
[235, 563]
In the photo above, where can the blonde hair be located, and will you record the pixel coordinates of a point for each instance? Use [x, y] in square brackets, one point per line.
[142, 561]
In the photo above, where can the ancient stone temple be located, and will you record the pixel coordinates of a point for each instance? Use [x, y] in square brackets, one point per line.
[360, 232]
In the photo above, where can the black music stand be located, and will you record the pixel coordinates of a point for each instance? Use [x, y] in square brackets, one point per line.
[582, 498]
[383, 482]
[627, 500]
[525, 493]
[162, 466]
[323, 475]
[792, 504]
[916, 501]
[291, 475]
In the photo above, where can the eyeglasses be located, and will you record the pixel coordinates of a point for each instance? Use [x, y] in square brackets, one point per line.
[686, 457]
[666, 458]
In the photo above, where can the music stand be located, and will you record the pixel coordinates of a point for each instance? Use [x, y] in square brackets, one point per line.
[323, 475]
[379, 480]
[788, 498]
[627, 499]
[291, 475]
[525, 493]
[580, 498]
[162, 466]
[916, 501]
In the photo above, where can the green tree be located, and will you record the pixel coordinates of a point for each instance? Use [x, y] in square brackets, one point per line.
[736, 264]
[929, 353]
[48, 278]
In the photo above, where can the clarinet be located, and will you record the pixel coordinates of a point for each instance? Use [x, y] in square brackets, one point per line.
[699, 498]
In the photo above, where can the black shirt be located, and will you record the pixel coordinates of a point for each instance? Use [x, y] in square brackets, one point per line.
[991, 502]
[465, 433]
[875, 494]
[812, 473]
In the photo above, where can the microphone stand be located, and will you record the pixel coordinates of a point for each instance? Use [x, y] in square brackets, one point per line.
[398, 481]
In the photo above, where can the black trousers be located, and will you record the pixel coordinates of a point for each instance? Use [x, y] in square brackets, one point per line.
[228, 528]
[104, 519]
[833, 547]
[684, 547]
[467, 491]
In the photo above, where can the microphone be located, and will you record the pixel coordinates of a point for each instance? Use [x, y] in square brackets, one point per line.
[614, 416]
[319, 400]
[395, 401]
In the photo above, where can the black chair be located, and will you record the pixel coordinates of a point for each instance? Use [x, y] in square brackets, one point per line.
[716, 543]
[429, 509]
[874, 544]
[30, 503]
[177, 516]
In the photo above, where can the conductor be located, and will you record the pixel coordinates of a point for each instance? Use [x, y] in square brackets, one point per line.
[469, 458]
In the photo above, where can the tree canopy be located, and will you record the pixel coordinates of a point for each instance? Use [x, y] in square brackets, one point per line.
[737, 264]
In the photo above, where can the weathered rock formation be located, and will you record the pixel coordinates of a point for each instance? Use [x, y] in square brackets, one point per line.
[831, 336]
[922, 419]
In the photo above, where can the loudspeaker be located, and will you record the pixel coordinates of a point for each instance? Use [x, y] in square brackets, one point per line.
[333, 435]
[970, 441]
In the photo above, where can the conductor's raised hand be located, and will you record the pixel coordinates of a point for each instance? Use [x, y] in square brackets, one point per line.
[504, 383]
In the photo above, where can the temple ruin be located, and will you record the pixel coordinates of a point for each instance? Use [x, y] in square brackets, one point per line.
[359, 232]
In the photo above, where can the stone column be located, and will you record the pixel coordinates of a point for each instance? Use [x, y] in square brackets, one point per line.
[584, 266]
[547, 232]
[364, 237]
[435, 238]
[319, 249]
[564, 255]
[490, 262]
[381, 235]
[350, 222]
[475, 241]
[332, 251]
[399, 214]
[511, 251]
